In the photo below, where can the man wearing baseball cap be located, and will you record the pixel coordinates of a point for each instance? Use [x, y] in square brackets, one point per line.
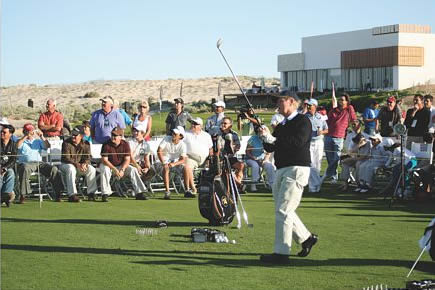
[319, 128]
[213, 123]
[172, 154]
[177, 117]
[103, 121]
[30, 160]
[115, 159]
[198, 147]
[388, 116]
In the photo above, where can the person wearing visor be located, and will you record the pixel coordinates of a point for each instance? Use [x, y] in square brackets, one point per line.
[103, 121]
[76, 161]
[319, 128]
[177, 117]
[172, 155]
[212, 124]
[115, 160]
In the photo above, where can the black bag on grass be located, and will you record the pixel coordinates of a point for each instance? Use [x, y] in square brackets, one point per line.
[215, 200]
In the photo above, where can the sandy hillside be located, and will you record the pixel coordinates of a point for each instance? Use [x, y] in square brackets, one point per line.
[123, 90]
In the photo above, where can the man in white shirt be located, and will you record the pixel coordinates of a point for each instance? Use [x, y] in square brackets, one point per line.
[198, 147]
[172, 154]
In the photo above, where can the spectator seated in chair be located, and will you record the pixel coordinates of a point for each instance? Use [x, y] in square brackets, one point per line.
[30, 160]
[172, 155]
[256, 158]
[76, 161]
[140, 153]
[8, 156]
[115, 159]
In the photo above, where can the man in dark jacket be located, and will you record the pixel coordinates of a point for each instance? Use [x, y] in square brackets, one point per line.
[388, 117]
[291, 144]
[8, 153]
[76, 160]
[417, 121]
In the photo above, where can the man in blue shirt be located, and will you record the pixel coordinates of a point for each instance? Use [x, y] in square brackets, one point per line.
[29, 152]
[370, 114]
[105, 120]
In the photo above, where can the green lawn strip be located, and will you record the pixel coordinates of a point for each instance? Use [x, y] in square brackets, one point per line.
[95, 245]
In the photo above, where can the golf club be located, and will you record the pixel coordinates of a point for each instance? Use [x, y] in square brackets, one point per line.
[245, 215]
[233, 190]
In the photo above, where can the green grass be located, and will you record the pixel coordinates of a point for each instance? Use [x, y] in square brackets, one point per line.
[94, 245]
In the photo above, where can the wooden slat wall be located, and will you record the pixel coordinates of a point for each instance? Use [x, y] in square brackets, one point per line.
[383, 57]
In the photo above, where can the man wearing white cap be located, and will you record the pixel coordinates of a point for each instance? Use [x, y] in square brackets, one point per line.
[198, 147]
[140, 152]
[378, 158]
[319, 128]
[172, 154]
[213, 123]
[103, 121]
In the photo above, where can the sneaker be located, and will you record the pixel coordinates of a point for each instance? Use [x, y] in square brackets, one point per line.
[167, 195]
[141, 196]
[91, 197]
[307, 245]
[333, 181]
[358, 189]
[253, 188]
[74, 198]
[105, 198]
[364, 190]
[21, 200]
[189, 194]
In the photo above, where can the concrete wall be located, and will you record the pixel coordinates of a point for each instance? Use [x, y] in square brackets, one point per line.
[410, 76]
[289, 62]
[324, 51]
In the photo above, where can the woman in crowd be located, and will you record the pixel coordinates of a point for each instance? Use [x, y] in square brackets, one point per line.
[143, 119]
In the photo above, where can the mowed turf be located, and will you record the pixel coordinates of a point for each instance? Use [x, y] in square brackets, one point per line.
[94, 245]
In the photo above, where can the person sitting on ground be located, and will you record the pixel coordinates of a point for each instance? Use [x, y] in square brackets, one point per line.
[177, 117]
[141, 153]
[370, 114]
[172, 155]
[319, 128]
[388, 117]
[229, 144]
[352, 160]
[377, 159]
[76, 161]
[115, 159]
[30, 160]
[8, 156]
[87, 131]
[143, 119]
[213, 123]
[51, 122]
[256, 158]
[199, 147]
[417, 121]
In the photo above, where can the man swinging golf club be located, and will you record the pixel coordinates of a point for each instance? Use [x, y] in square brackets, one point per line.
[291, 144]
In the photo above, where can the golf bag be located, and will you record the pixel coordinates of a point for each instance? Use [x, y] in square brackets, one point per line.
[215, 199]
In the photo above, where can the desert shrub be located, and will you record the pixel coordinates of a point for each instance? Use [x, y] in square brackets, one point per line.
[92, 95]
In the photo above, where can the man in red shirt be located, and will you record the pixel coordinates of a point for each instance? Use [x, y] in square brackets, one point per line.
[51, 122]
[339, 119]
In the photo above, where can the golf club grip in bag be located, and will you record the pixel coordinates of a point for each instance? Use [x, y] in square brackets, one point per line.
[215, 200]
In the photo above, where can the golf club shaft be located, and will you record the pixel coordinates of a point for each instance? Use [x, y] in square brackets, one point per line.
[239, 224]
[245, 215]
[416, 261]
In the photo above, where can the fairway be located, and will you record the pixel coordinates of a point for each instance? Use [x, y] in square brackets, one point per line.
[94, 245]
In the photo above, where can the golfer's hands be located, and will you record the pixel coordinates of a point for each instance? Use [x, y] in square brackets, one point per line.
[265, 135]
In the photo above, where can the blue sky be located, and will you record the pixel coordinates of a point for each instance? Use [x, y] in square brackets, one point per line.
[68, 41]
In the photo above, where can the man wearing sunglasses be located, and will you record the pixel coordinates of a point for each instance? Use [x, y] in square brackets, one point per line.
[388, 116]
[76, 161]
[103, 121]
[115, 159]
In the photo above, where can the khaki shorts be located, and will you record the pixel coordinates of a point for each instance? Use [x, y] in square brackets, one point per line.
[193, 164]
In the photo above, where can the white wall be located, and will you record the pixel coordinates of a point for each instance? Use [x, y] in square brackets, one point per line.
[324, 51]
[409, 76]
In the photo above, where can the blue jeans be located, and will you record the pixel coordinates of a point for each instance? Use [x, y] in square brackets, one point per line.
[7, 181]
[333, 147]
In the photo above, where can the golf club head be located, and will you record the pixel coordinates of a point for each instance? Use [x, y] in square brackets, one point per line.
[245, 217]
[219, 43]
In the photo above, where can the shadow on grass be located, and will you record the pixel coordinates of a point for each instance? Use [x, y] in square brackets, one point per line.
[107, 222]
[189, 258]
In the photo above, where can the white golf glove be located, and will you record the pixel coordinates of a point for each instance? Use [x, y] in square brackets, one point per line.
[265, 135]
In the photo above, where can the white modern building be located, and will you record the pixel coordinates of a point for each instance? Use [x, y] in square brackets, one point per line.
[388, 57]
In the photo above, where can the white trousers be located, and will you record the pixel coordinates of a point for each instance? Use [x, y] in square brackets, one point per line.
[367, 170]
[287, 193]
[269, 167]
[70, 172]
[316, 152]
[130, 171]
